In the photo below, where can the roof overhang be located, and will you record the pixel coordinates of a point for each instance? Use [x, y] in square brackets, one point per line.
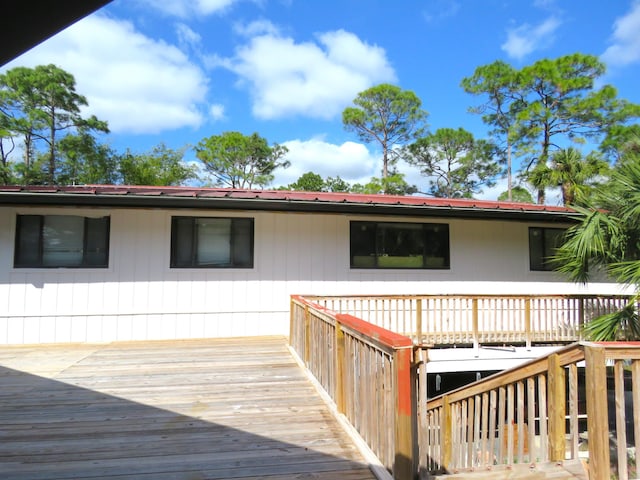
[280, 201]
[28, 23]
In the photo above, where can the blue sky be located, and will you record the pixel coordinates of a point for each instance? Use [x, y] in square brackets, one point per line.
[177, 71]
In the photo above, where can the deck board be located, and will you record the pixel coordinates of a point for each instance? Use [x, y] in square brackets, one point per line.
[176, 410]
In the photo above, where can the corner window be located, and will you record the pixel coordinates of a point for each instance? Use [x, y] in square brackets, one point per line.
[61, 241]
[209, 242]
[399, 245]
[543, 243]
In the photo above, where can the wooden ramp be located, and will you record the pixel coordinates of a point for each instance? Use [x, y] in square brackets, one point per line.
[193, 410]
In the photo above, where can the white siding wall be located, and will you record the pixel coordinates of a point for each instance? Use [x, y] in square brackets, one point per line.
[139, 297]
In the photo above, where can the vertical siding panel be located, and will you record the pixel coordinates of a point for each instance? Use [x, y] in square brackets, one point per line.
[47, 329]
[139, 296]
[63, 329]
[94, 329]
[29, 329]
[78, 326]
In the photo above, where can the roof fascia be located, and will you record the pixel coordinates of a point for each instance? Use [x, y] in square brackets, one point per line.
[278, 205]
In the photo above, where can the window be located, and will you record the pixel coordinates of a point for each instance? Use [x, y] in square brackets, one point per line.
[61, 241]
[207, 242]
[399, 245]
[543, 243]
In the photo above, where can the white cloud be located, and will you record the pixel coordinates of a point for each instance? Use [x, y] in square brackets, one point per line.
[187, 37]
[216, 112]
[137, 84]
[626, 39]
[525, 39]
[313, 79]
[189, 8]
[351, 161]
[258, 27]
[440, 10]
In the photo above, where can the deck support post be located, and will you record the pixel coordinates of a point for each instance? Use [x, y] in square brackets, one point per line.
[404, 464]
[556, 391]
[597, 412]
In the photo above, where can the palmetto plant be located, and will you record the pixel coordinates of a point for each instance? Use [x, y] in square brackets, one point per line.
[574, 174]
[608, 240]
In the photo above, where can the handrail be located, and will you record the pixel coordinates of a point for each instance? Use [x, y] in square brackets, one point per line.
[536, 413]
[454, 319]
[367, 371]
[542, 411]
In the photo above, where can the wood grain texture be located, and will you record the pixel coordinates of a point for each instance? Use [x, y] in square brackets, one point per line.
[201, 409]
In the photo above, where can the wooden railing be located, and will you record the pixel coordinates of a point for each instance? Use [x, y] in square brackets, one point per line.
[368, 372]
[577, 403]
[541, 412]
[477, 319]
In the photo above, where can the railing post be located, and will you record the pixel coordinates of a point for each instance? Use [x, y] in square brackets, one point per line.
[418, 338]
[581, 321]
[339, 363]
[557, 409]
[292, 331]
[474, 320]
[527, 322]
[597, 412]
[307, 335]
[446, 430]
[403, 465]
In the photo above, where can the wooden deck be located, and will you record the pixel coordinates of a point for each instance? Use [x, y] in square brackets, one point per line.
[193, 410]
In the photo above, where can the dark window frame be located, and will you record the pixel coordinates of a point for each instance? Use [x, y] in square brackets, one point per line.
[18, 258]
[540, 263]
[417, 260]
[193, 263]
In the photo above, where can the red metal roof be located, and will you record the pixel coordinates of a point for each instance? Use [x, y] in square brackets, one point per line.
[270, 199]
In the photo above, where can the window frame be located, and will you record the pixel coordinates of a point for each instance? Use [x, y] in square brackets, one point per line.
[441, 262]
[174, 260]
[18, 263]
[542, 265]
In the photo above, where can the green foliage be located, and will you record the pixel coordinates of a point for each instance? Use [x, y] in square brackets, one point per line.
[308, 182]
[576, 176]
[457, 164]
[84, 161]
[621, 325]
[33, 173]
[312, 182]
[394, 184]
[619, 140]
[240, 161]
[608, 239]
[387, 115]
[336, 184]
[38, 104]
[518, 194]
[161, 166]
[547, 104]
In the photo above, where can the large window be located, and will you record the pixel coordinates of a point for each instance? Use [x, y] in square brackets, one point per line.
[56, 241]
[208, 242]
[543, 243]
[399, 245]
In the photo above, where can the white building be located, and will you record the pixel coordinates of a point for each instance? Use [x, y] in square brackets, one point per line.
[105, 263]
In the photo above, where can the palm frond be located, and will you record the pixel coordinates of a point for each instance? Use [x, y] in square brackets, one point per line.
[616, 326]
